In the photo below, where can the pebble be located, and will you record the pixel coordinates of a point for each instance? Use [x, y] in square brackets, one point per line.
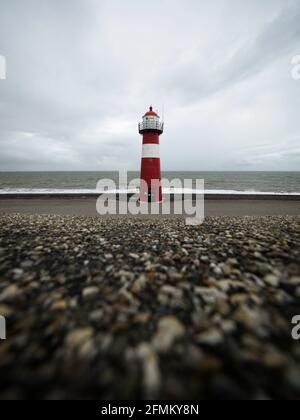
[210, 295]
[139, 284]
[5, 310]
[227, 269]
[10, 293]
[26, 264]
[248, 317]
[239, 298]
[171, 291]
[295, 281]
[228, 326]
[175, 277]
[232, 262]
[211, 337]
[17, 273]
[60, 305]
[90, 292]
[225, 285]
[217, 270]
[78, 337]
[275, 360]
[134, 256]
[97, 315]
[272, 280]
[169, 330]
[142, 318]
[151, 371]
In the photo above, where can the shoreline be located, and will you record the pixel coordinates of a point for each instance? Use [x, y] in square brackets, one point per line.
[214, 206]
[207, 196]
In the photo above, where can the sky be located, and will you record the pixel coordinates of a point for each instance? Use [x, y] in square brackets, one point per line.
[80, 74]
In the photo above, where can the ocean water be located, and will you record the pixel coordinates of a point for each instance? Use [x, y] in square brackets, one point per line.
[86, 182]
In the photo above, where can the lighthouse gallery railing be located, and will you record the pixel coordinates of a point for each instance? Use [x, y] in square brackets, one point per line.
[151, 125]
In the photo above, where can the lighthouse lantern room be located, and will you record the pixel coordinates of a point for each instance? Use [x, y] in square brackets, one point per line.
[151, 128]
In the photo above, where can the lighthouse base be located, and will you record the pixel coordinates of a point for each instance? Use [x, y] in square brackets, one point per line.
[151, 196]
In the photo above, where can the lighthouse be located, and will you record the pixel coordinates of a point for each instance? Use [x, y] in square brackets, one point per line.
[151, 128]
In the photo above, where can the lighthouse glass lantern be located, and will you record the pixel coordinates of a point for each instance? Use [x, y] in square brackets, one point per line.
[151, 128]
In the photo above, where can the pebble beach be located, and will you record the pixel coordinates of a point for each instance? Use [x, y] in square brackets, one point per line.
[149, 309]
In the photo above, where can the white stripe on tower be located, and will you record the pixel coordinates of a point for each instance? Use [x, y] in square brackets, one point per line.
[150, 151]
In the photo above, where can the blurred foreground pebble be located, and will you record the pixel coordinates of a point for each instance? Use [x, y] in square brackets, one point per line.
[124, 308]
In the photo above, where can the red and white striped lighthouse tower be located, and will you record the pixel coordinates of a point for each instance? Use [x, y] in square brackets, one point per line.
[151, 128]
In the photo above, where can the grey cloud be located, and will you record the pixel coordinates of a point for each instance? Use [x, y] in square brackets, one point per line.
[80, 74]
[194, 80]
[267, 156]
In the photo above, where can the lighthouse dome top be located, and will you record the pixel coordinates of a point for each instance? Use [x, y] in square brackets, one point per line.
[151, 113]
[151, 122]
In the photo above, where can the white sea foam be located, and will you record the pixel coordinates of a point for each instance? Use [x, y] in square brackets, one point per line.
[65, 192]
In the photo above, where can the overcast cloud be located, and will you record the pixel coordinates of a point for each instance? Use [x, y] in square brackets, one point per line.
[81, 73]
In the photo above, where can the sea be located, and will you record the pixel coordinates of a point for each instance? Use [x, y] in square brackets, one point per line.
[278, 183]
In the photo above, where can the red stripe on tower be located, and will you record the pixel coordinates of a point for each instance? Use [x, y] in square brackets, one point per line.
[151, 128]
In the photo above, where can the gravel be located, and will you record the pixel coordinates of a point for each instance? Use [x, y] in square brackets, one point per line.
[127, 309]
